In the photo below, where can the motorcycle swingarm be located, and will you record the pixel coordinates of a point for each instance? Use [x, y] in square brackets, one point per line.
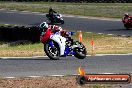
[68, 51]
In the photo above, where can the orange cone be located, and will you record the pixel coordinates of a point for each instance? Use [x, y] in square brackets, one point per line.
[92, 44]
[80, 36]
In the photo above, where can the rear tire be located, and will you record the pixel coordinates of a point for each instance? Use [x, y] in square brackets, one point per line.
[47, 15]
[80, 53]
[126, 26]
[52, 53]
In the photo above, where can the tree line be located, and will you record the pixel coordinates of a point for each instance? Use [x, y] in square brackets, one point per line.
[81, 1]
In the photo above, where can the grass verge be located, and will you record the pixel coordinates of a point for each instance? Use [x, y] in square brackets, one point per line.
[103, 44]
[113, 10]
[6, 25]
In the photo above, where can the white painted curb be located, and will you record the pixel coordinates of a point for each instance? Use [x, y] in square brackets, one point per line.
[12, 77]
[22, 57]
[47, 56]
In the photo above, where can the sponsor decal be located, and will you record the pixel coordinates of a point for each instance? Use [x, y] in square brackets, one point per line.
[84, 78]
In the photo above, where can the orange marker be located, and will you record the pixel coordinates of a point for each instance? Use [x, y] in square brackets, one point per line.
[92, 44]
[80, 36]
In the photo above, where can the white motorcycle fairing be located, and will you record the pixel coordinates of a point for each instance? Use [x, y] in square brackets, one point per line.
[60, 40]
[60, 15]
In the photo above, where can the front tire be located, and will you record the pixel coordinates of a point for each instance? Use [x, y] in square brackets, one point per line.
[80, 52]
[52, 51]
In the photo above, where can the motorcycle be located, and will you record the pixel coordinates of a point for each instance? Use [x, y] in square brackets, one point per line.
[56, 46]
[127, 22]
[57, 18]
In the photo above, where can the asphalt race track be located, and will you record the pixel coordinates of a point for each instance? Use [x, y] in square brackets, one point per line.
[65, 66]
[71, 23]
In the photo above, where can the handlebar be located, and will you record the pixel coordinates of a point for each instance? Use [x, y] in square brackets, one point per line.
[71, 33]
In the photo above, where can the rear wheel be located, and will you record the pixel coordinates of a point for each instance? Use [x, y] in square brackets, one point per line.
[126, 26]
[52, 50]
[80, 51]
[47, 15]
[62, 21]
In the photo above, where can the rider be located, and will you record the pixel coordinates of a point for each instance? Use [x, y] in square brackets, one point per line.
[44, 26]
[126, 16]
[51, 14]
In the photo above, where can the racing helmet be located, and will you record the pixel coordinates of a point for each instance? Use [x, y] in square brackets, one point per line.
[57, 28]
[60, 28]
[43, 25]
[126, 14]
[54, 27]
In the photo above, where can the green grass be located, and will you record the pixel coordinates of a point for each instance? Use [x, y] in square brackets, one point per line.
[6, 25]
[104, 44]
[113, 10]
[107, 44]
[22, 50]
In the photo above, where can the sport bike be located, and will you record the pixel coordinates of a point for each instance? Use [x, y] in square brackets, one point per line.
[127, 22]
[57, 18]
[56, 45]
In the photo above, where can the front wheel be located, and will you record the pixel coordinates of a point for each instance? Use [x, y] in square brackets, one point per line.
[80, 51]
[52, 50]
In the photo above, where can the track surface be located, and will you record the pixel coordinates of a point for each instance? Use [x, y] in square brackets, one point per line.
[71, 23]
[65, 66]
[69, 65]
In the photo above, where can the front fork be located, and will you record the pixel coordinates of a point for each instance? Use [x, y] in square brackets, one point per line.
[51, 44]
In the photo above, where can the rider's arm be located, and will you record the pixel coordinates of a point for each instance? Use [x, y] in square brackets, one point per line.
[54, 11]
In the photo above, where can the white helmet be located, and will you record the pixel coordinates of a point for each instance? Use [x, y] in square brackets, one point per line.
[43, 25]
[60, 28]
[126, 14]
[56, 27]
